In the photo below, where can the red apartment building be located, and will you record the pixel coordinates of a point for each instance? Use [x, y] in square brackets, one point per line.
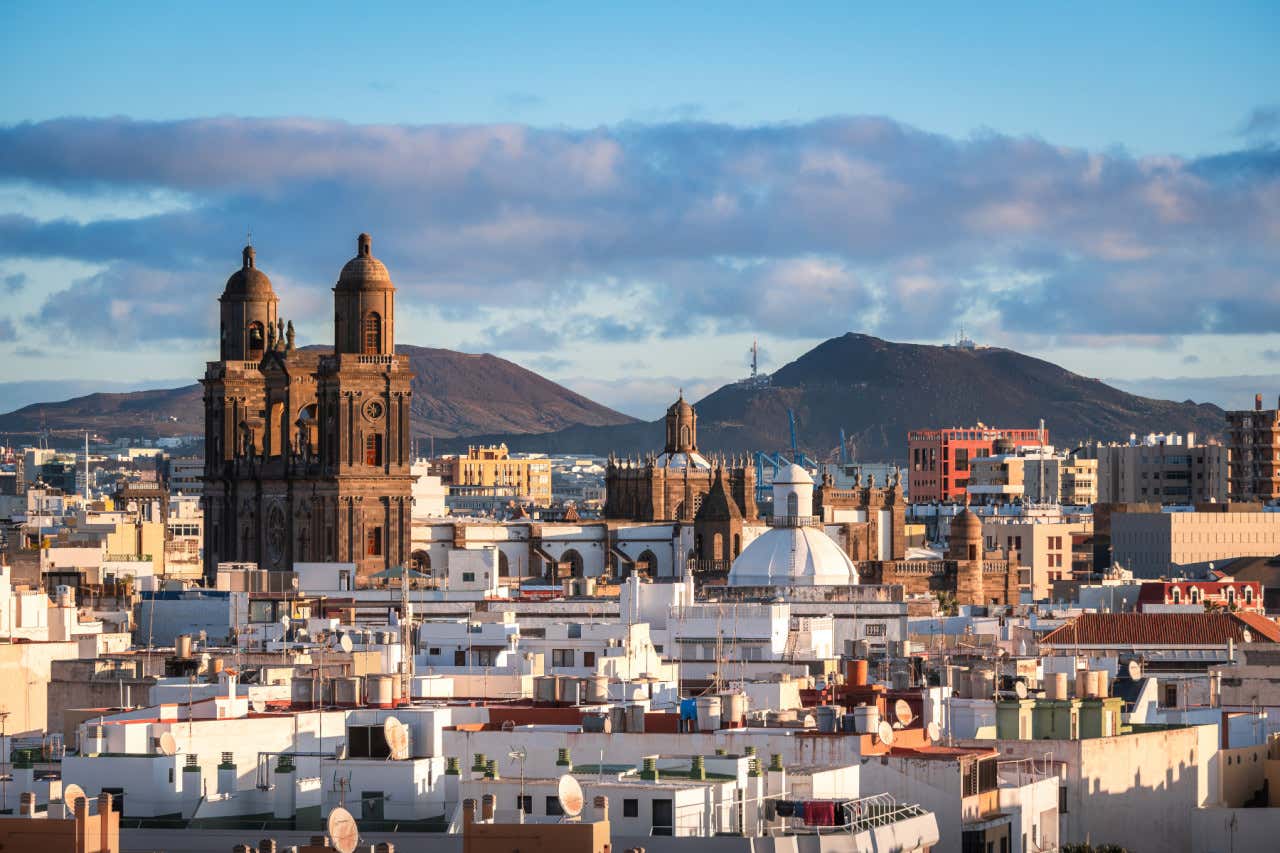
[940, 458]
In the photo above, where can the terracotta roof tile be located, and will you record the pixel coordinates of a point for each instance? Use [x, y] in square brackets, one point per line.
[1153, 629]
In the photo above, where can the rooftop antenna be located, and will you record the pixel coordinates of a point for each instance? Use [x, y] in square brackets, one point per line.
[86, 465]
[248, 236]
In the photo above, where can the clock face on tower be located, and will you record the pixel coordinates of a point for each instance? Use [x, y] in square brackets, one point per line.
[373, 410]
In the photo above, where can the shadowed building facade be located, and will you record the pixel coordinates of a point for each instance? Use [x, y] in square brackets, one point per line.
[307, 453]
[671, 486]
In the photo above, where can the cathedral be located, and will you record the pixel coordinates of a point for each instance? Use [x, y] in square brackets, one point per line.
[308, 451]
[672, 486]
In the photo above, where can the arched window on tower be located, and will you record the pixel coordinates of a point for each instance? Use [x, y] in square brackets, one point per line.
[256, 340]
[793, 505]
[372, 333]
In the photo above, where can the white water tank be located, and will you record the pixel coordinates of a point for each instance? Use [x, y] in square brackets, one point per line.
[866, 719]
[346, 691]
[596, 689]
[708, 709]
[544, 688]
[382, 690]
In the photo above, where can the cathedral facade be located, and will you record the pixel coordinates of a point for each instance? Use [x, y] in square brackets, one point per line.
[307, 452]
[671, 486]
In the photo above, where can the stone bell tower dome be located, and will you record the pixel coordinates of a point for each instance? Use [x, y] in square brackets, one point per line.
[364, 305]
[248, 311]
[682, 427]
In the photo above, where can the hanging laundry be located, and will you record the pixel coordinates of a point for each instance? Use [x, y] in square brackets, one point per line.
[785, 808]
[820, 813]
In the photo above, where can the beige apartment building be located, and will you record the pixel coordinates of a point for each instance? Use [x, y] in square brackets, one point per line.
[1048, 548]
[1011, 478]
[1253, 437]
[492, 471]
[1163, 544]
[1164, 468]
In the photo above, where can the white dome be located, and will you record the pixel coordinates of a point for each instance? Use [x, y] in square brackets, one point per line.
[792, 475]
[693, 461]
[793, 556]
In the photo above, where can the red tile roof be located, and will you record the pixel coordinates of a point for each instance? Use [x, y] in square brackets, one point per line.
[1158, 629]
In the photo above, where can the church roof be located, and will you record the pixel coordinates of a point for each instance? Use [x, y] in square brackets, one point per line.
[793, 556]
[695, 461]
[717, 504]
[364, 271]
[249, 280]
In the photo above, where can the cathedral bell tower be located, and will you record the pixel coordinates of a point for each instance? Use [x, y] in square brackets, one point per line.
[248, 311]
[364, 305]
[682, 427]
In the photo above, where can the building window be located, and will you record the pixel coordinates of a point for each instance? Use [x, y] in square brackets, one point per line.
[433, 651]
[468, 577]
[631, 808]
[373, 450]
[588, 658]
[875, 629]
[372, 333]
[562, 657]
[553, 807]
[525, 803]
[373, 542]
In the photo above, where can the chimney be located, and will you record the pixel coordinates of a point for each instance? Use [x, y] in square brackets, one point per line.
[1257, 402]
[487, 805]
[27, 806]
[602, 808]
[468, 811]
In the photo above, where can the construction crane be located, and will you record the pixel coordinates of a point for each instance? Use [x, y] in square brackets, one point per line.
[773, 462]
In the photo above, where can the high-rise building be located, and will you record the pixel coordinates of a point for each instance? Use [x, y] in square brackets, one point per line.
[1253, 439]
[1160, 468]
[940, 458]
[307, 453]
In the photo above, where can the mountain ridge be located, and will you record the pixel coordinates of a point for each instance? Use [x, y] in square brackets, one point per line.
[877, 390]
[455, 394]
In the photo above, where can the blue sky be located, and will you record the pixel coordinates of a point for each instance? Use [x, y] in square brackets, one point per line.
[622, 198]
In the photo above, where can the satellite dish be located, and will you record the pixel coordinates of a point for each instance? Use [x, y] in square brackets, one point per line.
[343, 832]
[1135, 670]
[344, 642]
[284, 622]
[168, 746]
[933, 731]
[258, 705]
[885, 732]
[569, 792]
[1020, 688]
[70, 794]
[902, 712]
[397, 738]
[1246, 635]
